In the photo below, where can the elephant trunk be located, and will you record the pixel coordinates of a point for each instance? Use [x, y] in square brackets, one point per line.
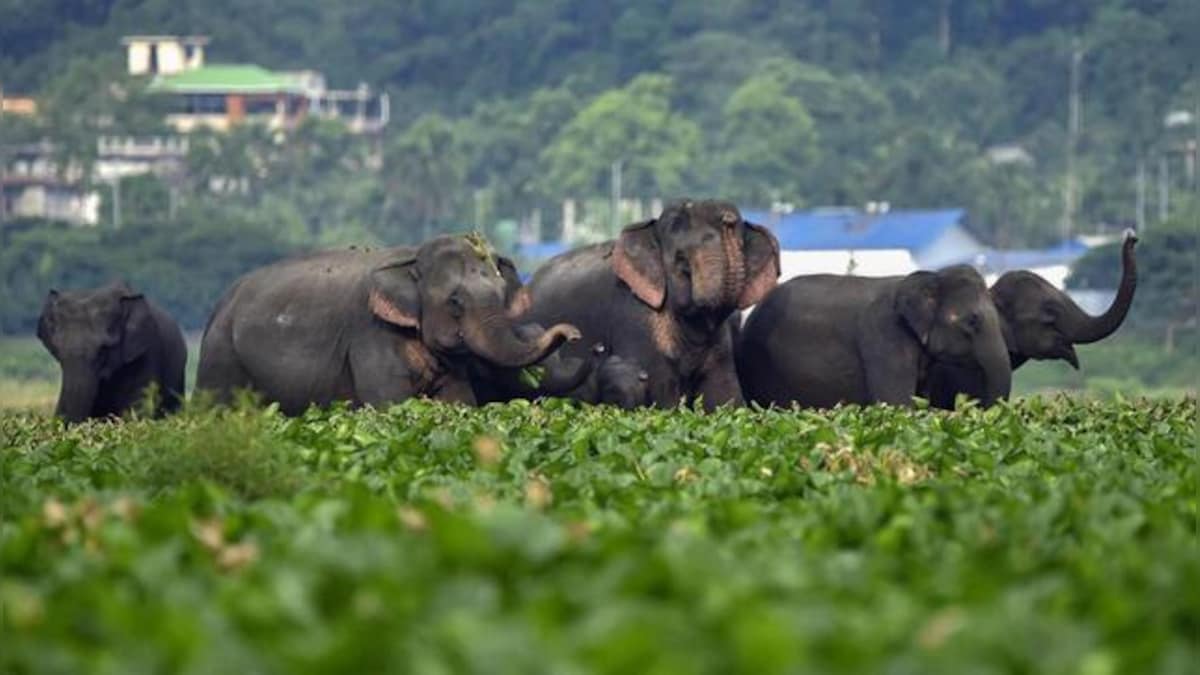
[565, 375]
[718, 273]
[78, 393]
[735, 265]
[709, 274]
[1082, 328]
[495, 338]
[997, 369]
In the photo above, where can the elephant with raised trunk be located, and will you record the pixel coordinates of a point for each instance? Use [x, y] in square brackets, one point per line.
[660, 295]
[112, 345]
[826, 339]
[371, 327]
[1040, 322]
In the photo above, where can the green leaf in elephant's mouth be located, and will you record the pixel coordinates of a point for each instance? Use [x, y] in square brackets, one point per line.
[531, 376]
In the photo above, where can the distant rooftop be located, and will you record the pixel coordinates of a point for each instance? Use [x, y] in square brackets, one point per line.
[852, 229]
[183, 39]
[232, 78]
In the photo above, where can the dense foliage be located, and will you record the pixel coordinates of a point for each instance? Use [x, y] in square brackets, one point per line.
[811, 102]
[184, 268]
[502, 109]
[1051, 536]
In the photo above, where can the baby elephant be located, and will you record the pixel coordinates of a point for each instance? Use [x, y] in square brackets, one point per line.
[620, 381]
[111, 343]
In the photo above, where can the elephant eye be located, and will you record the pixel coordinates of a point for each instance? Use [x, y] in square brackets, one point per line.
[456, 306]
[974, 321]
[681, 262]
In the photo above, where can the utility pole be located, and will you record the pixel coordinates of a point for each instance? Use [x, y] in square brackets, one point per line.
[1073, 123]
[479, 210]
[944, 26]
[1194, 174]
[1140, 209]
[1164, 188]
[615, 184]
[116, 205]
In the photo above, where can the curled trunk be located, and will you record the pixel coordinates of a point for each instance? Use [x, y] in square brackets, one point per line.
[78, 394]
[565, 375]
[495, 338]
[1080, 327]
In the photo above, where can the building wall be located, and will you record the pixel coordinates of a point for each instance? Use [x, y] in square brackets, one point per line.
[172, 56]
[19, 105]
[872, 263]
[184, 123]
[56, 202]
[137, 58]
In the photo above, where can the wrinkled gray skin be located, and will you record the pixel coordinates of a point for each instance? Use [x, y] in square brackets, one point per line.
[622, 383]
[369, 327]
[112, 343]
[660, 295]
[826, 339]
[1040, 322]
[557, 374]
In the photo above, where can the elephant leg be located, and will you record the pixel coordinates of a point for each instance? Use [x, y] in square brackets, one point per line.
[220, 374]
[379, 372]
[893, 382]
[171, 379]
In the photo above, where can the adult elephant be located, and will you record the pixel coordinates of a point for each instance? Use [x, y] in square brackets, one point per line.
[659, 297]
[826, 339]
[370, 327]
[1039, 322]
[112, 345]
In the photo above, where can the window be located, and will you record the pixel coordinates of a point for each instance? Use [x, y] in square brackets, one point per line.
[204, 104]
[260, 106]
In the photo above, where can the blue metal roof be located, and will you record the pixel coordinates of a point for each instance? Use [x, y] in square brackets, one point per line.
[1003, 260]
[843, 229]
[541, 250]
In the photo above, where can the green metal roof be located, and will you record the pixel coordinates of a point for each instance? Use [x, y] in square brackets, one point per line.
[234, 78]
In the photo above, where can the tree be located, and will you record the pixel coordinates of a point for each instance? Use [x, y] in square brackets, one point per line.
[93, 97]
[503, 139]
[660, 150]
[424, 173]
[769, 144]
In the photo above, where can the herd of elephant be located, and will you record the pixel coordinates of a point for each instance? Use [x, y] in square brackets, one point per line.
[652, 318]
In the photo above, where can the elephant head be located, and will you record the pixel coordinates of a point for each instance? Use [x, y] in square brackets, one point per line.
[698, 259]
[623, 383]
[951, 315]
[92, 334]
[1044, 323]
[453, 291]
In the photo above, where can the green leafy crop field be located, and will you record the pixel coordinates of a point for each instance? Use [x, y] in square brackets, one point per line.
[1047, 535]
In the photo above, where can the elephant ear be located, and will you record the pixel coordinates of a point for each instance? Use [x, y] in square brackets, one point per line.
[44, 329]
[137, 326]
[637, 260]
[394, 295]
[515, 295]
[761, 254]
[916, 302]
